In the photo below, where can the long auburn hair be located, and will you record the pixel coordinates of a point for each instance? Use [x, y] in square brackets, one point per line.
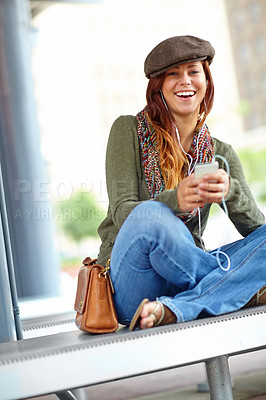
[172, 158]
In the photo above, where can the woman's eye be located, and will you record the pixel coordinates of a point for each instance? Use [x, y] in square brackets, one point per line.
[173, 73]
[194, 72]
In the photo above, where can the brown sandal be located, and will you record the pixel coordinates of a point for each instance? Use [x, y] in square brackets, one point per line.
[136, 317]
[259, 299]
[167, 316]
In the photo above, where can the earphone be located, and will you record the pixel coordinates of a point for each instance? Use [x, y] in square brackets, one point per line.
[218, 251]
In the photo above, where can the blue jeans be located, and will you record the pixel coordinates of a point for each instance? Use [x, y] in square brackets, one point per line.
[155, 256]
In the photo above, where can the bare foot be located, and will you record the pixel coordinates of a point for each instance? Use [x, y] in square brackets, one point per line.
[154, 313]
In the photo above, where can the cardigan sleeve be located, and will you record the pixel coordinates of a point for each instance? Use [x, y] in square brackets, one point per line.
[125, 179]
[242, 208]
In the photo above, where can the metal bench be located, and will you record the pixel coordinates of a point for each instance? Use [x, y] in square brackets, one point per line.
[69, 360]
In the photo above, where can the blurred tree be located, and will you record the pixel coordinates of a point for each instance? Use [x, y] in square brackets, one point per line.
[79, 216]
[254, 164]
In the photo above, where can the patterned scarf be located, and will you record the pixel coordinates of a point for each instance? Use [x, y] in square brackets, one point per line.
[151, 160]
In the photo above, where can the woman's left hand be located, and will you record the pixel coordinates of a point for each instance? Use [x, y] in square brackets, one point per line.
[214, 187]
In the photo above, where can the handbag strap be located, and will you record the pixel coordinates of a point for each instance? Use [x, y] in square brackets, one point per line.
[104, 271]
[93, 262]
[89, 261]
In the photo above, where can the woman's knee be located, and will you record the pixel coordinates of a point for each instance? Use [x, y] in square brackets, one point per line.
[149, 211]
[145, 220]
[258, 234]
[155, 219]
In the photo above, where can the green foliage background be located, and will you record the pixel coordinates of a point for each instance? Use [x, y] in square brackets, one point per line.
[79, 216]
[254, 164]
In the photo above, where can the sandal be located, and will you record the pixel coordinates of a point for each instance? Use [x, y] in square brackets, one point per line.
[259, 299]
[167, 316]
[136, 317]
[159, 304]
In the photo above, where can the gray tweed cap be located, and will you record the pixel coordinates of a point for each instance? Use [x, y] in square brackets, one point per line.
[175, 51]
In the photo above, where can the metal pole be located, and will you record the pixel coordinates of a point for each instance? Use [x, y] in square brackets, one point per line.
[26, 184]
[9, 258]
[7, 324]
[219, 379]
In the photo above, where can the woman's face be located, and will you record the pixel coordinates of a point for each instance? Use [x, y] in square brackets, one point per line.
[184, 88]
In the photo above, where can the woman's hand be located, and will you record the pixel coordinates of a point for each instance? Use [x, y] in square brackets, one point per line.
[193, 193]
[187, 194]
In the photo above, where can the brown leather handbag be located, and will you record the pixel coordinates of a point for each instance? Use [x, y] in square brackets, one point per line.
[94, 299]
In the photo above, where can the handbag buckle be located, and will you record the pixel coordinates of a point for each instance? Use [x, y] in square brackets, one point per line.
[105, 273]
[105, 270]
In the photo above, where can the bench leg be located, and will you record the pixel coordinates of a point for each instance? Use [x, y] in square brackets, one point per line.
[219, 378]
[65, 395]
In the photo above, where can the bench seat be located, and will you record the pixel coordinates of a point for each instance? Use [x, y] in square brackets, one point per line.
[68, 360]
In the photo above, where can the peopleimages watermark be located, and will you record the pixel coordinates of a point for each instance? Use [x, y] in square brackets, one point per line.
[56, 190]
[33, 200]
[64, 190]
[85, 214]
[36, 213]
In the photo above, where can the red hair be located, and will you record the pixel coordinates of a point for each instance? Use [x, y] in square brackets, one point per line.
[172, 158]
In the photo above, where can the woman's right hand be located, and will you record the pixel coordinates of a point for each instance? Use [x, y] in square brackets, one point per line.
[187, 194]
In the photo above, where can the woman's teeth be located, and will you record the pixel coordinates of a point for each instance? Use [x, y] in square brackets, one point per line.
[185, 94]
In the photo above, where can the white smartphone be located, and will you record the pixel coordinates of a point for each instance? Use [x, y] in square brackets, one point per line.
[206, 168]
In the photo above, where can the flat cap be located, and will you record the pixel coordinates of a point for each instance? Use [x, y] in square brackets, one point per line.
[175, 51]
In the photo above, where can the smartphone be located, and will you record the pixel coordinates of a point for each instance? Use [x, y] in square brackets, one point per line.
[206, 168]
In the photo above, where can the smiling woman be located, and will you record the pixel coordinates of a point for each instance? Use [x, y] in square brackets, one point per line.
[172, 154]
[184, 88]
[158, 209]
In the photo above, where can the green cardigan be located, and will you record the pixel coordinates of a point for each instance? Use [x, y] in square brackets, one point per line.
[126, 186]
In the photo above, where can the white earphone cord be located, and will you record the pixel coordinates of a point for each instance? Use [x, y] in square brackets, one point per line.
[218, 251]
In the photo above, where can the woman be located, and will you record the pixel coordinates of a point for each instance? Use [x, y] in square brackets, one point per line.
[158, 209]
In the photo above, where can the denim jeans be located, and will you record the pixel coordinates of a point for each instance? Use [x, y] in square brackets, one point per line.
[155, 256]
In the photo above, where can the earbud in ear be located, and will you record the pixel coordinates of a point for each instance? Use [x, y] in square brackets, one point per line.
[163, 99]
